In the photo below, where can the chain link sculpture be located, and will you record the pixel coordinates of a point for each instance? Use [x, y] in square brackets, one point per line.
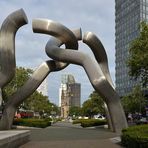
[96, 69]
[8, 63]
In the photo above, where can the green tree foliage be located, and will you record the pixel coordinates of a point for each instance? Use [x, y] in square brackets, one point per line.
[138, 59]
[134, 102]
[93, 106]
[36, 102]
[39, 103]
[21, 76]
[74, 110]
[87, 108]
[98, 102]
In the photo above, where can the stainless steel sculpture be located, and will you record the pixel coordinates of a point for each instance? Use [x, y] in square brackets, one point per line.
[40, 73]
[7, 45]
[98, 73]
[96, 69]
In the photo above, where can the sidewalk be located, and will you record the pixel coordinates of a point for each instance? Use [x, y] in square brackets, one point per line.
[72, 144]
[66, 135]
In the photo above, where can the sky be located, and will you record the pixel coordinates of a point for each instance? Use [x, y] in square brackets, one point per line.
[96, 16]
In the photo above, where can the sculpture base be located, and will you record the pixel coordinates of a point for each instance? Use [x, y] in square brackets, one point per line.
[14, 138]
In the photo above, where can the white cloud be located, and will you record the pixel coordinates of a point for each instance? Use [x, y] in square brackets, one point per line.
[96, 16]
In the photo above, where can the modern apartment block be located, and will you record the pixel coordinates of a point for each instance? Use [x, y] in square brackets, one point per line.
[128, 15]
[69, 94]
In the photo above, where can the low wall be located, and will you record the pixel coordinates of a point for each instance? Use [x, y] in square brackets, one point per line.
[13, 138]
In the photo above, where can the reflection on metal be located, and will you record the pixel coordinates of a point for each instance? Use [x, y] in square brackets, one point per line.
[7, 60]
[63, 36]
[7, 45]
[99, 52]
[96, 69]
[45, 68]
[98, 73]
[101, 57]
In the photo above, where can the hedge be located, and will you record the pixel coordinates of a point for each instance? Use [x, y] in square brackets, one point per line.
[90, 122]
[77, 121]
[135, 137]
[42, 123]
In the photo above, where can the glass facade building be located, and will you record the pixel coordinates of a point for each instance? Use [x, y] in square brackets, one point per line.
[128, 15]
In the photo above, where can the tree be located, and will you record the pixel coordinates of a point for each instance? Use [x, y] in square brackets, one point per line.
[93, 106]
[87, 108]
[75, 110]
[138, 59]
[98, 102]
[20, 78]
[20, 88]
[39, 103]
[134, 102]
[36, 102]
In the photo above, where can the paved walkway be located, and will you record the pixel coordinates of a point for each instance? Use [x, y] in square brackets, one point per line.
[66, 135]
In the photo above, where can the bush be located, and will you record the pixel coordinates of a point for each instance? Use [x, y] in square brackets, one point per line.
[90, 122]
[77, 121]
[135, 137]
[46, 119]
[42, 123]
[57, 119]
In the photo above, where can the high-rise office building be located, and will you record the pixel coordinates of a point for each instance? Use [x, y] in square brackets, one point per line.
[128, 15]
[69, 94]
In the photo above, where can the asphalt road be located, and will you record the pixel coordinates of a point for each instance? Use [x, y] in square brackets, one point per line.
[66, 135]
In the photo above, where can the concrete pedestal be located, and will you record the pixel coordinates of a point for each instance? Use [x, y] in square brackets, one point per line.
[13, 138]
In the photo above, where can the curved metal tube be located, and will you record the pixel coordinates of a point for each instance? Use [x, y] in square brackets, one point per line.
[54, 42]
[63, 35]
[40, 74]
[101, 57]
[57, 30]
[98, 80]
[7, 45]
[99, 52]
[32, 84]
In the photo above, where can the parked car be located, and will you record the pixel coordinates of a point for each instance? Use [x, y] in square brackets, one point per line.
[143, 120]
[99, 116]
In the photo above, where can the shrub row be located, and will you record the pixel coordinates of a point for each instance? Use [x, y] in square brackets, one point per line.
[42, 123]
[90, 122]
[77, 121]
[135, 137]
